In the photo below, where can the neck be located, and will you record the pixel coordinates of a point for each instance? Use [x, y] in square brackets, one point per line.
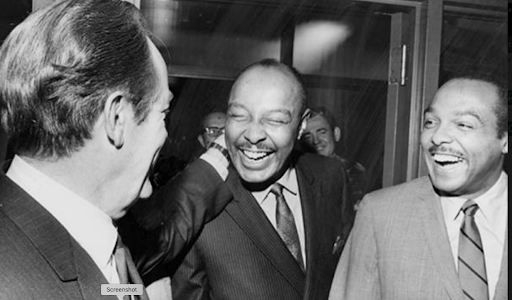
[80, 173]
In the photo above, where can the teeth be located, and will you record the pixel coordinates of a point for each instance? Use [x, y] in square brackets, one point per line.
[256, 155]
[442, 158]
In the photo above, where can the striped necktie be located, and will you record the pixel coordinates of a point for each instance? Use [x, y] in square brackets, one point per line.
[285, 223]
[471, 259]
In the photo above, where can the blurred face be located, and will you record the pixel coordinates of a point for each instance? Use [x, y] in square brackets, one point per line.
[319, 136]
[213, 127]
[463, 154]
[262, 123]
[144, 140]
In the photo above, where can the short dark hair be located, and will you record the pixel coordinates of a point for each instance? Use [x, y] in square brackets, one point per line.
[291, 72]
[500, 109]
[324, 112]
[60, 64]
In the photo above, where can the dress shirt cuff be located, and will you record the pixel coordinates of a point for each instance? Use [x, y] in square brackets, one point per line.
[217, 159]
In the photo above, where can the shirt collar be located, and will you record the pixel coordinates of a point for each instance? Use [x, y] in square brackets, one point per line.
[489, 203]
[288, 181]
[494, 200]
[92, 228]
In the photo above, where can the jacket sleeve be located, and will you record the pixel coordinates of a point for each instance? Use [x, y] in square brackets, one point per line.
[190, 281]
[356, 276]
[169, 221]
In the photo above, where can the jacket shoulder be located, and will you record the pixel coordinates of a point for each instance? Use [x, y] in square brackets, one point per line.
[320, 164]
[419, 187]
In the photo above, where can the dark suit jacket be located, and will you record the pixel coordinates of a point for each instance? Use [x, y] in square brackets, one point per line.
[399, 250]
[40, 260]
[239, 255]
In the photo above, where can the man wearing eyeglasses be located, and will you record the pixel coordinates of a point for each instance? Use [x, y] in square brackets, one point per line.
[213, 127]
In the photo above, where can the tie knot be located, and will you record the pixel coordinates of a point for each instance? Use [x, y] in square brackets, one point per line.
[277, 189]
[469, 208]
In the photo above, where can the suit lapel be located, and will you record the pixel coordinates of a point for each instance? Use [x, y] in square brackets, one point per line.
[68, 260]
[308, 190]
[437, 239]
[249, 216]
[90, 277]
[45, 232]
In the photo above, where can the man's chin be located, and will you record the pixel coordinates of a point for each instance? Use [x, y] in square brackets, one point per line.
[446, 187]
[254, 177]
[259, 181]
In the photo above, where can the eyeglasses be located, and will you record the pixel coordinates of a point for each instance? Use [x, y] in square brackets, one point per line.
[214, 131]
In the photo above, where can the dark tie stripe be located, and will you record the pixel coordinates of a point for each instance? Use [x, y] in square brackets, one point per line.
[473, 241]
[468, 296]
[472, 273]
[477, 274]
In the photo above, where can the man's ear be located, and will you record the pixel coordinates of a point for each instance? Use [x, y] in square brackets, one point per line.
[337, 134]
[116, 115]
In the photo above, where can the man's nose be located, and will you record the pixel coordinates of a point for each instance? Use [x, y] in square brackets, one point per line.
[441, 135]
[255, 133]
[316, 140]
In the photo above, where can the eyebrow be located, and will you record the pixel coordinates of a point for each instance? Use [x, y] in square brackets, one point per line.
[280, 110]
[469, 113]
[234, 104]
[459, 113]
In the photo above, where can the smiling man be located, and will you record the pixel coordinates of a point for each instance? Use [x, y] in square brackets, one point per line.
[84, 97]
[320, 136]
[281, 235]
[444, 236]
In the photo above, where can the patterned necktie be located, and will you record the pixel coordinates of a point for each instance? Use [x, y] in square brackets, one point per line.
[472, 273]
[126, 268]
[285, 224]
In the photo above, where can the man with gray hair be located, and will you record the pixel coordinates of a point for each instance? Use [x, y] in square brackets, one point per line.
[83, 98]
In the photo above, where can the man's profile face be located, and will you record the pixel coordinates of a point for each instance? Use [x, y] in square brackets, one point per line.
[262, 123]
[213, 127]
[462, 150]
[319, 136]
[146, 139]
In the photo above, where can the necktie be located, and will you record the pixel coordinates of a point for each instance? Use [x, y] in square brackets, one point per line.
[285, 224]
[126, 268]
[471, 259]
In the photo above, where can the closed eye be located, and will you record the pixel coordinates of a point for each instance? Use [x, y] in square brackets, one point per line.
[465, 126]
[276, 122]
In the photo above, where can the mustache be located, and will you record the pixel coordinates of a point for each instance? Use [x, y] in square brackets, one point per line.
[259, 146]
[443, 149]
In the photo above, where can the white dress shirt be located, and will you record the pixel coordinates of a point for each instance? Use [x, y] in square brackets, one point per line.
[292, 198]
[88, 225]
[491, 220]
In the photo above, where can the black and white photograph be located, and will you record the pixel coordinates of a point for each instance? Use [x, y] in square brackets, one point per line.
[254, 149]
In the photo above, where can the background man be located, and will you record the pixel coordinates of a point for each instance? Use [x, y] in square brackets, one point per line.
[86, 121]
[412, 241]
[320, 136]
[213, 127]
[277, 194]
